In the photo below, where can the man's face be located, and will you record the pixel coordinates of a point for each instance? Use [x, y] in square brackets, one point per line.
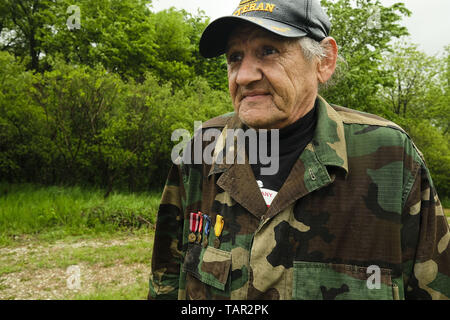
[271, 84]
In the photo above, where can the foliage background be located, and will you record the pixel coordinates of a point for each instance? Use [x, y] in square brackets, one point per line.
[96, 106]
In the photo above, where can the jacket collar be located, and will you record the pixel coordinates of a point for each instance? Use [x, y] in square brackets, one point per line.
[329, 139]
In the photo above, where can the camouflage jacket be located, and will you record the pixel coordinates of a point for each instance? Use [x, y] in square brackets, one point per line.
[357, 218]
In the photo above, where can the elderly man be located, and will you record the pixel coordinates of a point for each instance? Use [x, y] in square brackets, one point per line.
[351, 213]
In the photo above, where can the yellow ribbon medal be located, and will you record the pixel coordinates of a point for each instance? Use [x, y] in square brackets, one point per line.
[218, 230]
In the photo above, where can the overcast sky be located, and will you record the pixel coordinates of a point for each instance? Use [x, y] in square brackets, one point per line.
[429, 24]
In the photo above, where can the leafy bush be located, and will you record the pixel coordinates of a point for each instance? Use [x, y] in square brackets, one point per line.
[36, 209]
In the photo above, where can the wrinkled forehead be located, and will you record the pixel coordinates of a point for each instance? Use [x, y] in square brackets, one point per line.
[246, 33]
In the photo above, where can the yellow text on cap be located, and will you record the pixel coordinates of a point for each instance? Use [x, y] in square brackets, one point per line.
[262, 6]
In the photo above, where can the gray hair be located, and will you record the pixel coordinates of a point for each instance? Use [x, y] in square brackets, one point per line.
[313, 49]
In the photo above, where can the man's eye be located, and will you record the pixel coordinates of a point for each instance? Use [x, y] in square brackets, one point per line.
[269, 50]
[235, 57]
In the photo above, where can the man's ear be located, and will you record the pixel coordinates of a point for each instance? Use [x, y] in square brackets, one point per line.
[326, 67]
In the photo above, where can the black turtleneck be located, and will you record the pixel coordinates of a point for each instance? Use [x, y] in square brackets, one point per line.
[292, 141]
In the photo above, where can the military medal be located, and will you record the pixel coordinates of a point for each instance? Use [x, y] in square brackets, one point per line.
[193, 225]
[207, 224]
[218, 230]
[200, 226]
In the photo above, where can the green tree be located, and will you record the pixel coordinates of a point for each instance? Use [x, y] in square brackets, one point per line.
[363, 30]
[214, 70]
[118, 34]
[177, 35]
[24, 144]
[115, 33]
[438, 112]
[24, 24]
[417, 94]
[124, 36]
[414, 75]
[75, 101]
[174, 48]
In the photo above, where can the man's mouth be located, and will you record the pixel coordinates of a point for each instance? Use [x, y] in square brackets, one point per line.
[254, 95]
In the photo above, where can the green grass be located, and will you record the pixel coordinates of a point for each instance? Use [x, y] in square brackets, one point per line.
[44, 230]
[138, 251]
[59, 212]
[136, 291]
[114, 268]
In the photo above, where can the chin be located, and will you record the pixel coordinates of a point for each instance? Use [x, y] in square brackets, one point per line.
[256, 123]
[260, 118]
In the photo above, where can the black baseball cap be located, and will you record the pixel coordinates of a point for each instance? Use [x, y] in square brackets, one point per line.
[287, 18]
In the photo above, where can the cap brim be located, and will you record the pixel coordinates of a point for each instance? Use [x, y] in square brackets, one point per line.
[215, 37]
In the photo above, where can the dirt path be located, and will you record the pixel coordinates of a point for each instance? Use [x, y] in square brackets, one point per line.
[70, 270]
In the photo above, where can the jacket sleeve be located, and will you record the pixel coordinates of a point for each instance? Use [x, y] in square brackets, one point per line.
[167, 255]
[425, 242]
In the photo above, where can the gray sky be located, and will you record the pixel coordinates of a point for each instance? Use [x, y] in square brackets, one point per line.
[429, 24]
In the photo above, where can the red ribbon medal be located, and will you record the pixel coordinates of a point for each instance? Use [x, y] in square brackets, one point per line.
[193, 226]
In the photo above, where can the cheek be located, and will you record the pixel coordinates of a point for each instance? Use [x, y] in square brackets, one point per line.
[298, 83]
[284, 78]
[286, 89]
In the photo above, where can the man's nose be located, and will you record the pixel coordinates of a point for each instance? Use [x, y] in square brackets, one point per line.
[249, 71]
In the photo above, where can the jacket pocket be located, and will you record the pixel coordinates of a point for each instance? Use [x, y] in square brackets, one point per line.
[211, 266]
[326, 281]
